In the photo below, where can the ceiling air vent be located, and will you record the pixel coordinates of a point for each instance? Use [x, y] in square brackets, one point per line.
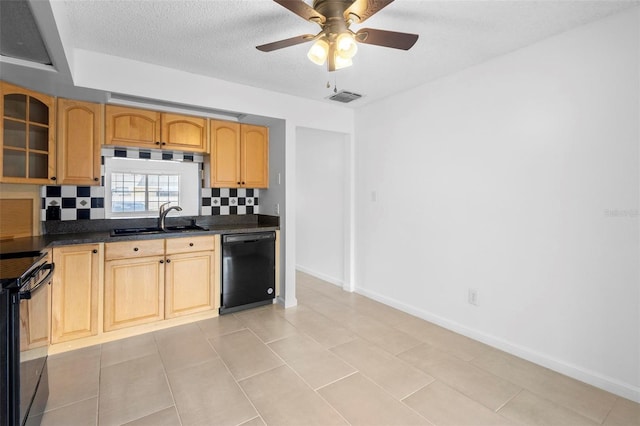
[19, 34]
[344, 96]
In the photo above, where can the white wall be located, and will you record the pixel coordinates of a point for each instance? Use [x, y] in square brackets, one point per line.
[321, 209]
[518, 177]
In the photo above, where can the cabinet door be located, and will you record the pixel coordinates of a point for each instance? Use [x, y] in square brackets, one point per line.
[225, 154]
[27, 129]
[184, 133]
[74, 292]
[78, 144]
[133, 292]
[255, 157]
[35, 314]
[132, 127]
[189, 283]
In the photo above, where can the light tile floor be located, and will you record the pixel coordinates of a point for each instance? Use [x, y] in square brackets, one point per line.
[337, 358]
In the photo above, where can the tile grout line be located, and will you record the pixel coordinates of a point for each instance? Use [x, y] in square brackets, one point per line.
[506, 402]
[299, 376]
[236, 381]
[337, 380]
[604, 420]
[166, 378]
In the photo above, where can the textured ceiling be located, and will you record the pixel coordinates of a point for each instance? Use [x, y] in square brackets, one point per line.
[218, 38]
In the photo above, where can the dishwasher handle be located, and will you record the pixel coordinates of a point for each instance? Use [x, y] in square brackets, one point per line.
[248, 238]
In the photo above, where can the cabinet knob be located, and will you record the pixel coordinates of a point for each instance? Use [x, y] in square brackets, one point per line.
[94, 251]
[243, 183]
[190, 244]
[238, 183]
[53, 178]
[96, 179]
[135, 249]
[168, 260]
[162, 261]
[163, 143]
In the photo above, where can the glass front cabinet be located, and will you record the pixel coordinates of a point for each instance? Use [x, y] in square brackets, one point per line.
[26, 136]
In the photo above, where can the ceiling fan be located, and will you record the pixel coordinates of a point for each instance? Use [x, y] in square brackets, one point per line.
[336, 43]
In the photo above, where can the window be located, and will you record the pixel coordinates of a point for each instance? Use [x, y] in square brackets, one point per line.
[134, 192]
[137, 188]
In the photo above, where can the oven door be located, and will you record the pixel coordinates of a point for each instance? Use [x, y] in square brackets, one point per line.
[35, 294]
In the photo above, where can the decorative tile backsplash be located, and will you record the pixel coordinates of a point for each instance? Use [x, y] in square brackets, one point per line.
[75, 202]
[152, 154]
[69, 202]
[215, 201]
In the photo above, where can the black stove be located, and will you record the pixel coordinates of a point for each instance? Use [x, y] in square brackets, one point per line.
[23, 371]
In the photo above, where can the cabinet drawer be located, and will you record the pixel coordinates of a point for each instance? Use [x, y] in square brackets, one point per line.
[133, 249]
[188, 244]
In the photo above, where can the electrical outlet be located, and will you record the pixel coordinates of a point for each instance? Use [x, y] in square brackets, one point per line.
[473, 296]
[277, 208]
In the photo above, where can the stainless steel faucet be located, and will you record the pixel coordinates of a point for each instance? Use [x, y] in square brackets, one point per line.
[163, 214]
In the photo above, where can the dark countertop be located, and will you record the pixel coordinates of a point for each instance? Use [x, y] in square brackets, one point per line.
[99, 231]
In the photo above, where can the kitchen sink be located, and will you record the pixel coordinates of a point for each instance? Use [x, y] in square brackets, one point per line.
[155, 230]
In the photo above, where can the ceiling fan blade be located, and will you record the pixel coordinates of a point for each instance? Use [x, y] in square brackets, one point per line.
[384, 38]
[361, 10]
[302, 9]
[269, 47]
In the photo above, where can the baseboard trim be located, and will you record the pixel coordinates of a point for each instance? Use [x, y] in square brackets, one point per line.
[609, 384]
[320, 275]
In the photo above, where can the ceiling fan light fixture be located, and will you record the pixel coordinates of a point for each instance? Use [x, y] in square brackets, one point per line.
[318, 52]
[341, 62]
[346, 46]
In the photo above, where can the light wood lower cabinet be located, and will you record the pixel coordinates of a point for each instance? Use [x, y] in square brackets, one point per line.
[74, 292]
[133, 292]
[109, 291]
[152, 280]
[189, 283]
[35, 318]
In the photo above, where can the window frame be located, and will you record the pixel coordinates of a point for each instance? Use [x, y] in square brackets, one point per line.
[189, 184]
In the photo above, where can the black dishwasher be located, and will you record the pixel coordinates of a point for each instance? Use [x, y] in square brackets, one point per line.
[248, 270]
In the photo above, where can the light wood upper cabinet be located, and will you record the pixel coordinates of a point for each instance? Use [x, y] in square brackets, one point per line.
[80, 133]
[184, 133]
[254, 156]
[239, 155]
[27, 129]
[225, 154]
[74, 293]
[152, 129]
[126, 126]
